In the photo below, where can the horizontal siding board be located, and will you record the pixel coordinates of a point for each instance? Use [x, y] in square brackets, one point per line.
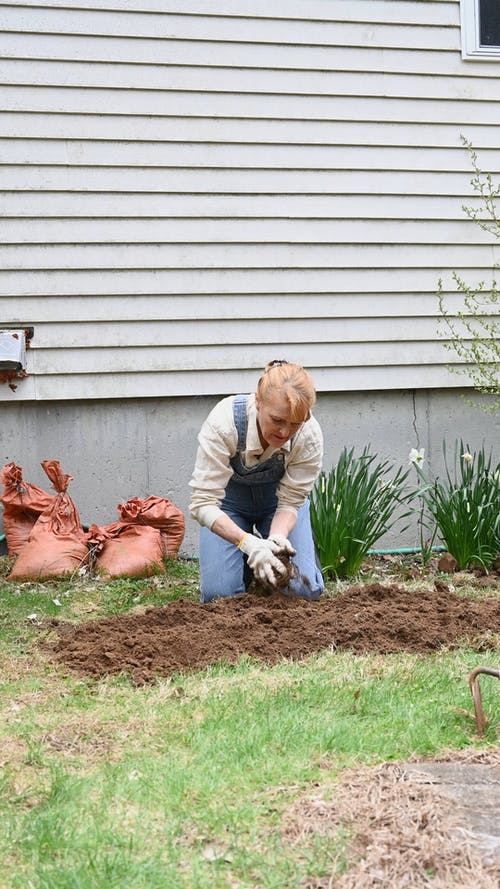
[115, 50]
[241, 230]
[226, 28]
[195, 104]
[180, 358]
[58, 153]
[212, 381]
[244, 256]
[208, 332]
[53, 204]
[302, 107]
[119, 309]
[233, 281]
[243, 80]
[120, 128]
[212, 180]
[431, 12]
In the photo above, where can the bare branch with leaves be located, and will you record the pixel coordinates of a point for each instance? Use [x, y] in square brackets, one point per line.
[472, 332]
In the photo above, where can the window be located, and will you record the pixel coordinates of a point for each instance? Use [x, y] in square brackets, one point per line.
[480, 29]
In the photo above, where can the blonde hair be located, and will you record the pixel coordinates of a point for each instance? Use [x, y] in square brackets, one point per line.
[293, 382]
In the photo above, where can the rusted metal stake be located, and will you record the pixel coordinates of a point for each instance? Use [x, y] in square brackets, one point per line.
[476, 694]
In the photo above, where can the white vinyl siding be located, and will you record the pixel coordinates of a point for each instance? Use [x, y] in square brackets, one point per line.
[189, 188]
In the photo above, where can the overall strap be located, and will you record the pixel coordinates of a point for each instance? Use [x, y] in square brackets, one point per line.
[240, 419]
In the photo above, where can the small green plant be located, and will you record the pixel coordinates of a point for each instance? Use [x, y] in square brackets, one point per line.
[472, 331]
[352, 507]
[465, 506]
[427, 540]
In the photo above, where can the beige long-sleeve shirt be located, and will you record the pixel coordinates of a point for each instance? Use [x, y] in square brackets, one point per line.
[218, 443]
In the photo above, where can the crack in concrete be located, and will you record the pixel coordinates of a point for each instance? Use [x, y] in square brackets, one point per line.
[414, 420]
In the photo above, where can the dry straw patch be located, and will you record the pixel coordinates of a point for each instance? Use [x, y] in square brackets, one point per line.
[86, 738]
[13, 752]
[91, 738]
[19, 669]
[400, 832]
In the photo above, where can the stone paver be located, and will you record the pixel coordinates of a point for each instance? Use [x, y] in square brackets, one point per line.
[475, 788]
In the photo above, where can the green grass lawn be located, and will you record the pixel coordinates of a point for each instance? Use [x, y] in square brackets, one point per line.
[184, 783]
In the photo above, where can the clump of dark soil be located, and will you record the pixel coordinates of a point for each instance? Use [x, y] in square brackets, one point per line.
[281, 582]
[184, 635]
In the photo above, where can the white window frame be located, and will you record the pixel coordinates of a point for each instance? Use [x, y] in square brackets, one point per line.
[471, 47]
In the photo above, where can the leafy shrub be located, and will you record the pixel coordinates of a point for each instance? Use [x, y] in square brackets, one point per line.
[352, 507]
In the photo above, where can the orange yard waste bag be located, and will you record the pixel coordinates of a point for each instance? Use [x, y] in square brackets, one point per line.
[57, 544]
[158, 512]
[127, 550]
[23, 503]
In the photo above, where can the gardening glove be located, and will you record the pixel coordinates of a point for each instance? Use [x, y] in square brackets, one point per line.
[280, 544]
[264, 564]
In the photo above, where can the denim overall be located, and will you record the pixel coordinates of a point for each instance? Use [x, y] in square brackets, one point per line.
[251, 501]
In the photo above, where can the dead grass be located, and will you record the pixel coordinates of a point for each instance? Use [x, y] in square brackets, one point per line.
[23, 669]
[400, 833]
[406, 571]
[13, 752]
[89, 738]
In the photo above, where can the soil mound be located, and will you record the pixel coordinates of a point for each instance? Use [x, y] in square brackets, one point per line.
[184, 635]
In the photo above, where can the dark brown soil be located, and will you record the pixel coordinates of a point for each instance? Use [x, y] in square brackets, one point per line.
[186, 636]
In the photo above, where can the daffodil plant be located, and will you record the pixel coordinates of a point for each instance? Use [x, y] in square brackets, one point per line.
[352, 506]
[416, 458]
[464, 507]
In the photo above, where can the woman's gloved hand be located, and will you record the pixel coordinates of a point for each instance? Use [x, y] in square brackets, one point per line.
[280, 544]
[261, 558]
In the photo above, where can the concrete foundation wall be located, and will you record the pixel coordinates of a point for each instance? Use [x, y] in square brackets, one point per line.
[140, 447]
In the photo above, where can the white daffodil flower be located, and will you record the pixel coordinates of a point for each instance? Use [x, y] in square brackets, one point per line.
[467, 457]
[416, 456]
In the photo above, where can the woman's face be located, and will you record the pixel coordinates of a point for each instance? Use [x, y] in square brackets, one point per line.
[274, 420]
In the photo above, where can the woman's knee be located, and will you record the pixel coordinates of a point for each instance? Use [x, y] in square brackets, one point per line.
[221, 568]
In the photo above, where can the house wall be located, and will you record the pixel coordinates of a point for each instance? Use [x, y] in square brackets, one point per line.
[148, 446]
[190, 188]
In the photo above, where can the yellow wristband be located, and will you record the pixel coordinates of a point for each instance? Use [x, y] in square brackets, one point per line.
[241, 541]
